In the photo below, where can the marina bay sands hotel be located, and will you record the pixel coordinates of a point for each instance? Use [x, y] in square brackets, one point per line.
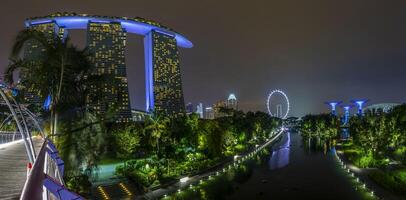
[106, 42]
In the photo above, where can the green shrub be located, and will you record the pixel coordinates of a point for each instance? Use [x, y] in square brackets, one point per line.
[80, 184]
[400, 154]
[366, 161]
[362, 160]
[143, 172]
[394, 181]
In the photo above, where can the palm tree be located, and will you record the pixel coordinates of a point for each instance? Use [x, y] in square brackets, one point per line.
[156, 126]
[59, 71]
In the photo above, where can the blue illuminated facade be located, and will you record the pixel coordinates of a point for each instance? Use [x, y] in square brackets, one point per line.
[162, 68]
[149, 83]
[136, 25]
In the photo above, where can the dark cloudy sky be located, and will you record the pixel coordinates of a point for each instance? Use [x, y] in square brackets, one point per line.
[314, 50]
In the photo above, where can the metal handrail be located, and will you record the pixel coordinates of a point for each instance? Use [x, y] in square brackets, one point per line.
[6, 137]
[33, 186]
[46, 176]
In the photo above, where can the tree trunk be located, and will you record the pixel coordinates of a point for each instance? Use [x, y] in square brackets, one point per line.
[51, 123]
[55, 122]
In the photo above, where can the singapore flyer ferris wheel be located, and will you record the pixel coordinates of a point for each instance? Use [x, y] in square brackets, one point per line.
[279, 112]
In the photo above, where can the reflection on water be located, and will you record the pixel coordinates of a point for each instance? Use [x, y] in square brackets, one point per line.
[280, 156]
[294, 172]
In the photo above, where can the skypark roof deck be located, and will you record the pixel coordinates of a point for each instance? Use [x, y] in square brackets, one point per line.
[136, 25]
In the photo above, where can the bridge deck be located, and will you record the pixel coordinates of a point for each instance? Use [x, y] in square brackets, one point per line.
[13, 168]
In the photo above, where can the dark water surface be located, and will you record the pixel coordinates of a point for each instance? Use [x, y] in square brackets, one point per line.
[293, 173]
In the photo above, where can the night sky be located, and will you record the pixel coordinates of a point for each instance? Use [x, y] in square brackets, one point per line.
[314, 50]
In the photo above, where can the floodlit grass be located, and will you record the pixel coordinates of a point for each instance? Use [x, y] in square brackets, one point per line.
[391, 180]
[358, 185]
[347, 143]
[394, 181]
[400, 154]
[364, 192]
[359, 158]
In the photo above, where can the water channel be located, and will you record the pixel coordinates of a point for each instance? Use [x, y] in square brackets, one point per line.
[292, 171]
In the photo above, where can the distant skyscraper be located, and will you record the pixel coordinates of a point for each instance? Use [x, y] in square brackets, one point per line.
[209, 113]
[217, 109]
[232, 102]
[163, 74]
[33, 50]
[106, 43]
[199, 110]
[189, 108]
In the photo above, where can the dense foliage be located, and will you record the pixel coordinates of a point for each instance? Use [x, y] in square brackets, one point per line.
[376, 139]
[162, 149]
[61, 73]
[324, 127]
[381, 134]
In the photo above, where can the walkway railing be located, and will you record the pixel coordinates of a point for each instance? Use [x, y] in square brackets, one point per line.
[45, 169]
[6, 137]
[45, 178]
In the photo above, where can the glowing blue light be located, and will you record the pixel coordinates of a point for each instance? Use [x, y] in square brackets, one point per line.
[360, 103]
[164, 32]
[131, 26]
[41, 22]
[333, 105]
[14, 92]
[101, 21]
[280, 156]
[347, 113]
[47, 102]
[149, 81]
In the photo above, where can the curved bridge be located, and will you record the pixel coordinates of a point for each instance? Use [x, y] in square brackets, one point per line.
[29, 165]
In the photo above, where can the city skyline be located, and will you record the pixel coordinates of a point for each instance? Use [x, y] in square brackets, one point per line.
[354, 45]
[106, 41]
[203, 100]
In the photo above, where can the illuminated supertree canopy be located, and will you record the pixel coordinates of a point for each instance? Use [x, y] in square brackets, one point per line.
[269, 101]
[333, 105]
[359, 103]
